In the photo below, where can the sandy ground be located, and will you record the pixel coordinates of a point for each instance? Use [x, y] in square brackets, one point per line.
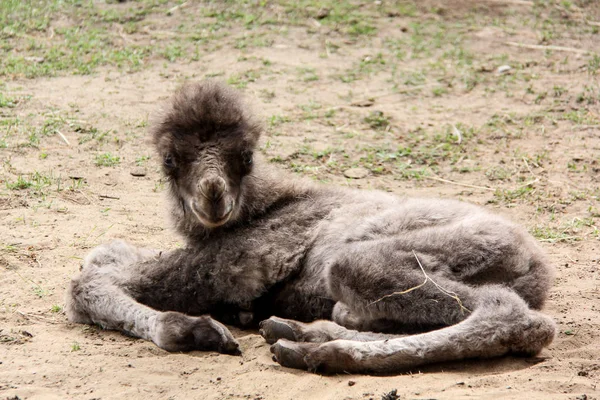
[529, 150]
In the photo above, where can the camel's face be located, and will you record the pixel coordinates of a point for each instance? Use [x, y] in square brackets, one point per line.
[206, 142]
[208, 179]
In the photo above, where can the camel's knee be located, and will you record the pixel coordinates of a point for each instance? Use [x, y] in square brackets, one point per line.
[533, 287]
[115, 253]
[74, 309]
[343, 315]
[97, 280]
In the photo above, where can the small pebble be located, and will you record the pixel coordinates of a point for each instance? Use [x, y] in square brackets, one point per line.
[503, 69]
[138, 171]
[38, 60]
[351, 383]
[356, 173]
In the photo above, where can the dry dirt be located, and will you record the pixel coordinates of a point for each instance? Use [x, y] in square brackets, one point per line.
[523, 142]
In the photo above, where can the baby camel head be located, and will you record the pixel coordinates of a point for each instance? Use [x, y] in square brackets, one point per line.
[206, 141]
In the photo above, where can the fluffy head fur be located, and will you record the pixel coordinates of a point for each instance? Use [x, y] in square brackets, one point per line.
[206, 140]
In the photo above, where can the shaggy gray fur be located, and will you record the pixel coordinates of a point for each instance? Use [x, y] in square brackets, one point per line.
[406, 281]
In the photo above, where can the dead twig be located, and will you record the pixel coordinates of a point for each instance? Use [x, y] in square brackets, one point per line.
[371, 99]
[63, 137]
[536, 180]
[436, 178]
[552, 48]
[427, 279]
[457, 133]
[177, 7]
[515, 2]
[529, 168]
[38, 317]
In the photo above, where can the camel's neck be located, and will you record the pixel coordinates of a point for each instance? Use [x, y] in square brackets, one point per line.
[267, 186]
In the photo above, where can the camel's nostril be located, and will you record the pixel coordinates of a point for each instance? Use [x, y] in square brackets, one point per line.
[228, 208]
[213, 188]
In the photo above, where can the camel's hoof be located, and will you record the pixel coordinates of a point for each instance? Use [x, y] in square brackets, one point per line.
[274, 328]
[230, 347]
[291, 354]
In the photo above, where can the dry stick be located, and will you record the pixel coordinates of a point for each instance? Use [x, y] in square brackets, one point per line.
[536, 180]
[586, 127]
[435, 178]
[379, 96]
[457, 133]
[63, 137]
[87, 197]
[554, 48]
[427, 279]
[516, 2]
[173, 9]
[528, 167]
[106, 196]
[33, 316]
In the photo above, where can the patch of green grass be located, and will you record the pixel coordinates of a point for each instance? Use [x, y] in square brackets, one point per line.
[547, 234]
[7, 102]
[439, 91]
[513, 195]
[573, 230]
[308, 74]
[277, 120]
[107, 160]
[365, 67]
[91, 36]
[310, 109]
[89, 133]
[40, 291]
[377, 120]
[141, 160]
[593, 64]
[36, 181]
[558, 90]
[498, 173]
[20, 184]
[414, 78]
[588, 96]
[253, 40]
[241, 81]
[173, 52]
[75, 347]
[580, 116]
[56, 308]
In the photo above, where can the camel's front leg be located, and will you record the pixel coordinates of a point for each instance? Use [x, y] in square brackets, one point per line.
[102, 294]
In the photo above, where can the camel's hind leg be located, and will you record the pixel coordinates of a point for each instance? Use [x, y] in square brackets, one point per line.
[98, 295]
[321, 331]
[501, 323]
[368, 294]
[404, 287]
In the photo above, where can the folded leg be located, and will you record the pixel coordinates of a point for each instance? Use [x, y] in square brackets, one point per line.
[104, 293]
[501, 323]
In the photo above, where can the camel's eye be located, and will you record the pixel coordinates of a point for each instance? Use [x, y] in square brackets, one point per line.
[168, 162]
[247, 158]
